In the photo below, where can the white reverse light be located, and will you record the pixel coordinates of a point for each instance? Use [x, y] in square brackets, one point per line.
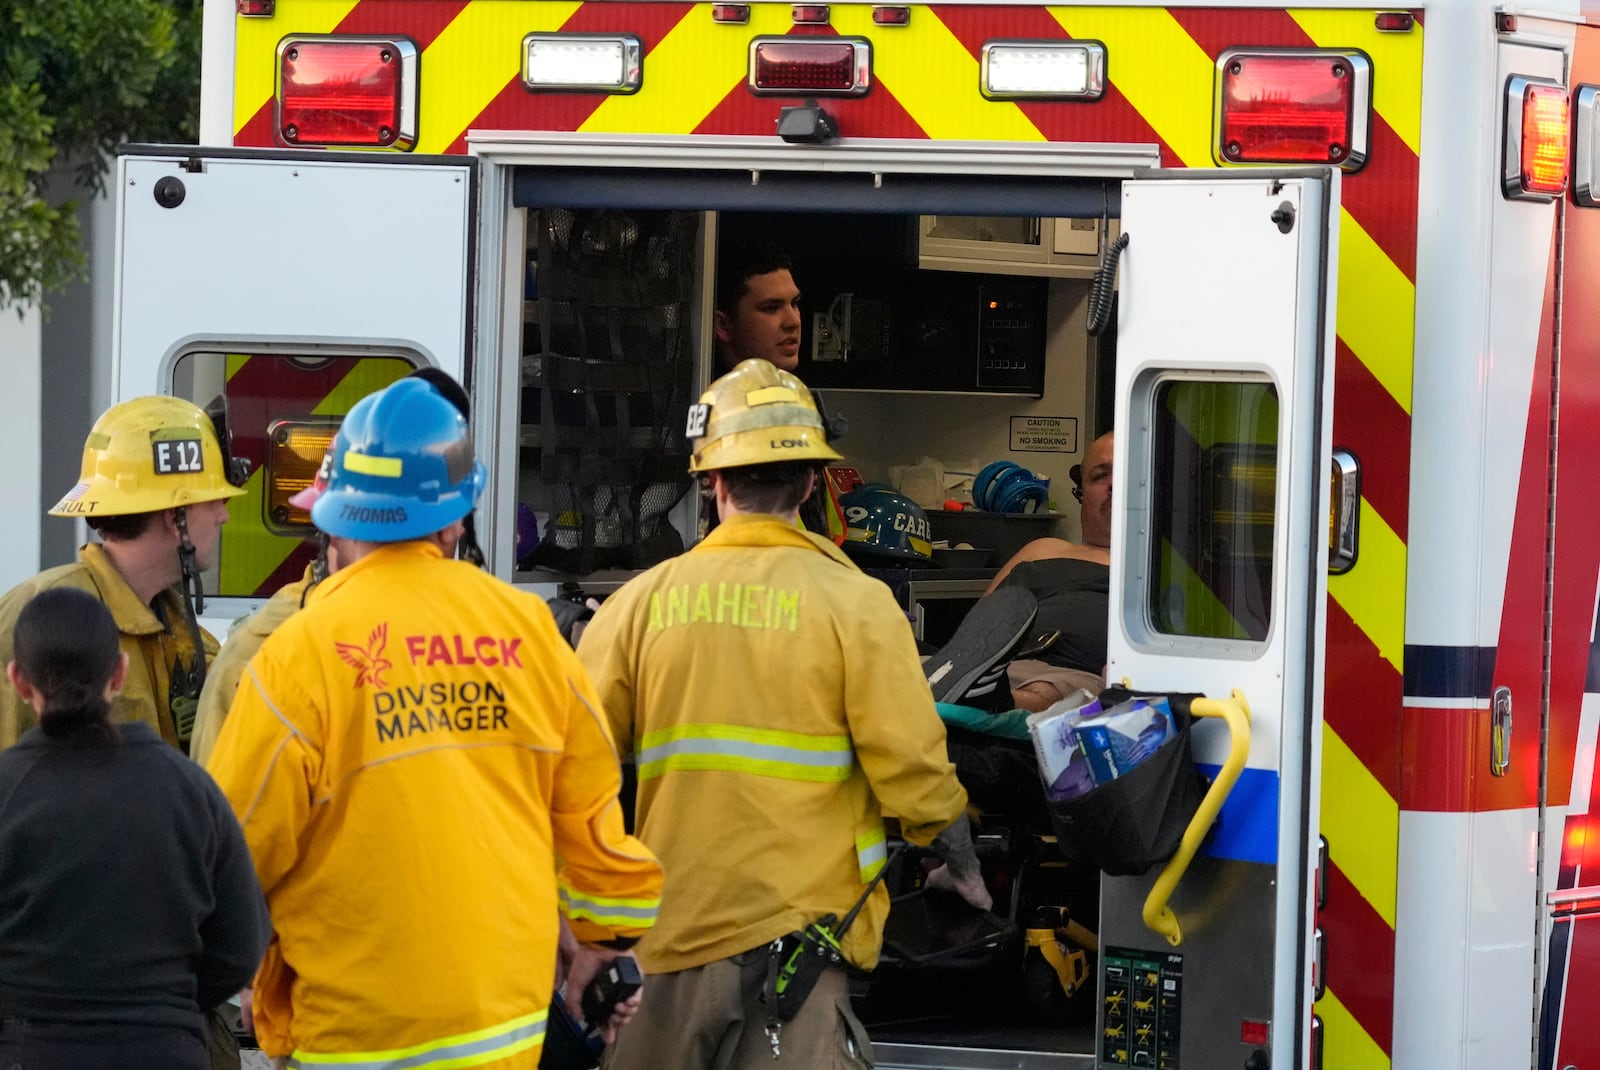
[604, 63]
[1012, 69]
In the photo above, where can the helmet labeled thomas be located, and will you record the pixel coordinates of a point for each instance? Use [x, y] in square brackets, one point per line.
[756, 414]
[146, 455]
[442, 381]
[884, 527]
[402, 468]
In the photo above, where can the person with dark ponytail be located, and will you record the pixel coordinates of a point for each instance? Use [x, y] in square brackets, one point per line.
[68, 664]
[128, 901]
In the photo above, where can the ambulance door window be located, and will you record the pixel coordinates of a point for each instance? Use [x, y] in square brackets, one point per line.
[283, 410]
[1214, 470]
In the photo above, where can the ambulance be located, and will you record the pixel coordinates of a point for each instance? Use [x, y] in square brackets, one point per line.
[1330, 272]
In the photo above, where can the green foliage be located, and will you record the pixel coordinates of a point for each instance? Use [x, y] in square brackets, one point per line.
[77, 77]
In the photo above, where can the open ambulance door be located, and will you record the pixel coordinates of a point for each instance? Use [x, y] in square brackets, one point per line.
[292, 284]
[1219, 552]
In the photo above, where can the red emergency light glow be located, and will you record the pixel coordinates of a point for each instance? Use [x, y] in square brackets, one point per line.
[1254, 1033]
[346, 91]
[1293, 107]
[1534, 158]
[1544, 139]
[790, 66]
[1576, 840]
[891, 16]
[735, 14]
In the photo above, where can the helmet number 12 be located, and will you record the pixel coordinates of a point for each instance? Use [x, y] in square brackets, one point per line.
[696, 427]
[177, 456]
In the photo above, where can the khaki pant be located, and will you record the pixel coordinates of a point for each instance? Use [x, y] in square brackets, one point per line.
[712, 1018]
[1025, 671]
[221, 1045]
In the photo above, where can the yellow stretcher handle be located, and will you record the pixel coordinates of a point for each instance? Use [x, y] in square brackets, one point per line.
[1158, 916]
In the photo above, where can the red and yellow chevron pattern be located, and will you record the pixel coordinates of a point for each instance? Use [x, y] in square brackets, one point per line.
[1161, 68]
[262, 390]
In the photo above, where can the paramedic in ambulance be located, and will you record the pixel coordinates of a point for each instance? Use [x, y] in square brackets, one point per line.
[408, 756]
[758, 308]
[247, 635]
[1039, 632]
[771, 696]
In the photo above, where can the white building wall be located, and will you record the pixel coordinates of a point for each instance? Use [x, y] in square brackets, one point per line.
[21, 362]
[76, 381]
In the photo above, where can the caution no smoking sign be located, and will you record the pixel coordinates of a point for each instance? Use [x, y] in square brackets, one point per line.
[1044, 434]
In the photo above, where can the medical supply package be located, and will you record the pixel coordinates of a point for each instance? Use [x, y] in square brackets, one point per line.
[1082, 745]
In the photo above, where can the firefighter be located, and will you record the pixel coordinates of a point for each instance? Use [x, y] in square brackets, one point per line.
[408, 755]
[248, 635]
[772, 698]
[227, 668]
[154, 487]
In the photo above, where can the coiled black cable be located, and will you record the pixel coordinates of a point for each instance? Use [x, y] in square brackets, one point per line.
[1102, 288]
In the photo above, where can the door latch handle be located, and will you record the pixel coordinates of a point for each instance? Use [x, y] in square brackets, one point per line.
[1500, 732]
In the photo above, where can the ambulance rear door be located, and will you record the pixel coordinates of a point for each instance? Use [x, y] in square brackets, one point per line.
[292, 284]
[1219, 558]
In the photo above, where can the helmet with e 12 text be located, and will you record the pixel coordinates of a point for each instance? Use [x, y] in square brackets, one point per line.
[149, 454]
[756, 414]
[884, 527]
[403, 467]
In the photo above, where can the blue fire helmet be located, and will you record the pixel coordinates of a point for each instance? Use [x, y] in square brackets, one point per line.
[402, 467]
[884, 527]
[1007, 487]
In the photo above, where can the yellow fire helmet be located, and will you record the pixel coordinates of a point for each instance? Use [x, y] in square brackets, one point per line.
[149, 454]
[756, 414]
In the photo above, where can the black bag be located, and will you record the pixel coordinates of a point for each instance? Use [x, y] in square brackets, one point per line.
[1136, 821]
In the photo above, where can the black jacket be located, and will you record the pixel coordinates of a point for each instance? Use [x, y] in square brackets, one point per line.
[126, 890]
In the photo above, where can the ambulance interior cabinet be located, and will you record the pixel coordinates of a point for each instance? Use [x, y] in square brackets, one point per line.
[1011, 245]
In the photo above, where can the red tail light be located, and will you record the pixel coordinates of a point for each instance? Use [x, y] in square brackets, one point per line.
[737, 14]
[1293, 107]
[802, 66]
[1536, 134]
[347, 91]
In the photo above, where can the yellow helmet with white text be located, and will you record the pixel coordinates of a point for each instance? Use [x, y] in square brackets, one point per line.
[149, 454]
[756, 414]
